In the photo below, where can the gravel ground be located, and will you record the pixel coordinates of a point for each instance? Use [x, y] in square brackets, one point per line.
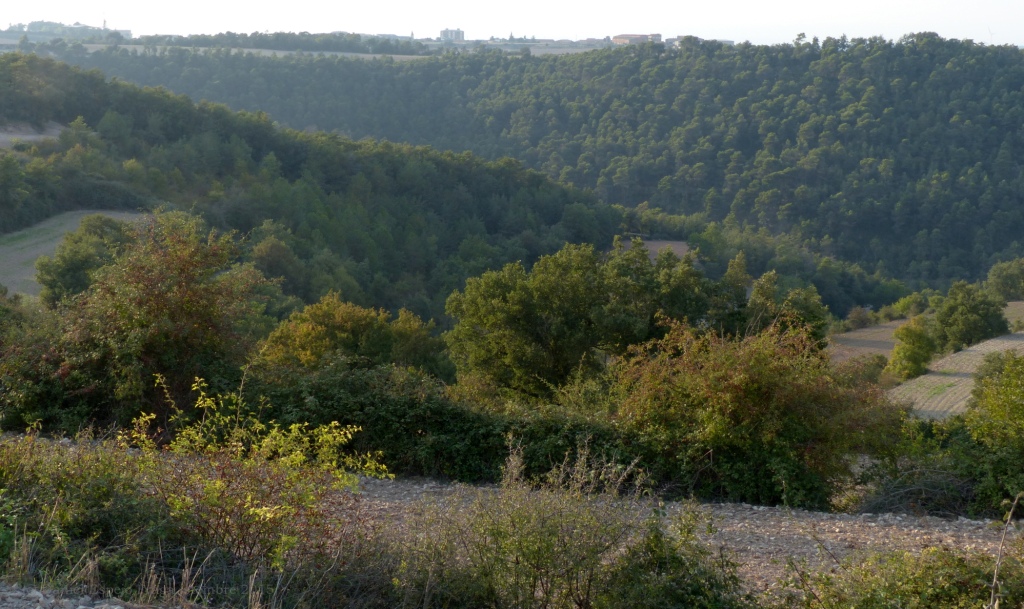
[16, 597]
[762, 540]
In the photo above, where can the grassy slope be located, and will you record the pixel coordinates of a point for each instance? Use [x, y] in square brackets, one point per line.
[946, 388]
[19, 250]
[944, 391]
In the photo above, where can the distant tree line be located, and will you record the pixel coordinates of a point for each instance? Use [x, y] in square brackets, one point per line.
[340, 42]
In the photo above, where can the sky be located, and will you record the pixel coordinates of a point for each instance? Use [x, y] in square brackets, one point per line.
[757, 21]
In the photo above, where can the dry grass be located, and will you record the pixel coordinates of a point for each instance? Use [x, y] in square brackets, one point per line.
[874, 340]
[1014, 311]
[19, 250]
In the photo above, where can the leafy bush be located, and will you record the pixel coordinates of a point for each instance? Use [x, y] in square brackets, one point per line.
[567, 541]
[945, 468]
[670, 567]
[914, 348]
[968, 316]
[859, 317]
[332, 326]
[255, 490]
[77, 503]
[762, 419]
[263, 504]
[418, 429]
[173, 303]
[938, 578]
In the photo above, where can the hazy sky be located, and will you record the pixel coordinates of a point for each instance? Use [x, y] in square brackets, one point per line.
[759, 21]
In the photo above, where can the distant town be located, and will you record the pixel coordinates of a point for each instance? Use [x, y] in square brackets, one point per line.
[44, 31]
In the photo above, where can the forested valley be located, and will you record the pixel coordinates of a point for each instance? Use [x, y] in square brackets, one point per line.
[902, 156]
[465, 294]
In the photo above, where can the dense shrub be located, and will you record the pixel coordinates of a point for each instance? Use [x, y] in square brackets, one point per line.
[967, 316]
[914, 348]
[332, 326]
[574, 539]
[763, 419]
[248, 508]
[938, 578]
[943, 468]
[72, 504]
[418, 428]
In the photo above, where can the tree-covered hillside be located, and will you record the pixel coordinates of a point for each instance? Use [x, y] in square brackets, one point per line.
[383, 224]
[899, 155]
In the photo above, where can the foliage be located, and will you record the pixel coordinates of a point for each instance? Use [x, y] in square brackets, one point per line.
[175, 302]
[419, 428]
[255, 490]
[333, 327]
[79, 502]
[382, 224]
[31, 389]
[1006, 280]
[914, 349]
[859, 318]
[968, 316]
[248, 508]
[937, 578]
[949, 468]
[530, 331]
[762, 419]
[879, 152]
[996, 416]
[670, 567]
[558, 542]
[95, 244]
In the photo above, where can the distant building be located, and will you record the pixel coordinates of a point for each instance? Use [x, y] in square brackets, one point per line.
[636, 38]
[453, 36]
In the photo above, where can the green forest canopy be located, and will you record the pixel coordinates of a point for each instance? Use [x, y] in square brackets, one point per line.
[383, 224]
[898, 155]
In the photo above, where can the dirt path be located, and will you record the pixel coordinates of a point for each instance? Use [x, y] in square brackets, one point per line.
[19, 250]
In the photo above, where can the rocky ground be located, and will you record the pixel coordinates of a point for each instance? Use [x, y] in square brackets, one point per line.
[16, 597]
[762, 540]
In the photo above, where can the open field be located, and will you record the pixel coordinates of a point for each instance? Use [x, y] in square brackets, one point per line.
[944, 391]
[26, 133]
[1014, 312]
[879, 339]
[873, 340]
[19, 250]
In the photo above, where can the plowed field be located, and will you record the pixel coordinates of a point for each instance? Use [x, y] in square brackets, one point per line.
[944, 391]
